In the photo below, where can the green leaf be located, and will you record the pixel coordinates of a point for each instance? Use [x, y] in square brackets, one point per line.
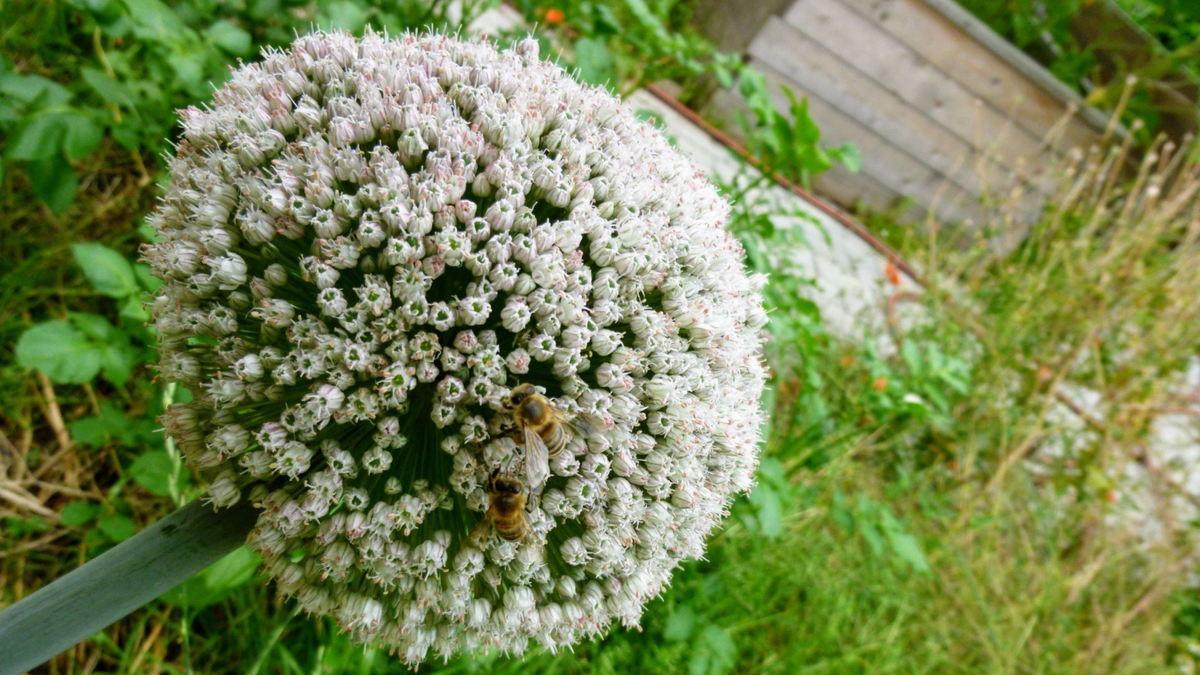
[343, 15]
[723, 649]
[107, 88]
[117, 527]
[94, 326]
[680, 624]
[118, 360]
[132, 310]
[849, 157]
[594, 61]
[53, 181]
[83, 135]
[59, 350]
[216, 581]
[38, 137]
[153, 471]
[912, 357]
[146, 277]
[908, 549]
[156, 22]
[30, 89]
[229, 38]
[770, 510]
[107, 270]
[109, 425]
[78, 513]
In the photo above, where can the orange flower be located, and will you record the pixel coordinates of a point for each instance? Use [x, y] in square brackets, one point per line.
[880, 384]
[1110, 496]
[892, 274]
[554, 15]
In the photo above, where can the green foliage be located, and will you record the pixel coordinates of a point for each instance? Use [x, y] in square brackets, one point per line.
[1044, 31]
[788, 145]
[216, 582]
[874, 540]
[121, 69]
[85, 345]
[626, 44]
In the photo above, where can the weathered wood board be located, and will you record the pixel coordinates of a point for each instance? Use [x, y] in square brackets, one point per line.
[1001, 80]
[911, 77]
[822, 74]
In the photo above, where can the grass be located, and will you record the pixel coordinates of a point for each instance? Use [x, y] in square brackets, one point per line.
[931, 509]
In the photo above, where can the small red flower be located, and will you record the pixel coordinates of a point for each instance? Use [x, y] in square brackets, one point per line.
[880, 384]
[554, 15]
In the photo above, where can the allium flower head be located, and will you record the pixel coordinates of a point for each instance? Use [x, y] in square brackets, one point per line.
[367, 244]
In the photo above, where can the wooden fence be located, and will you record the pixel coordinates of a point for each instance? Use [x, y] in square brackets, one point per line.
[943, 110]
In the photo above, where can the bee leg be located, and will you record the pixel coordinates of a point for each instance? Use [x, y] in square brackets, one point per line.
[479, 532]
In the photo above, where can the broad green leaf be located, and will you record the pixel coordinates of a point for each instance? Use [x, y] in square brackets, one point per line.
[59, 350]
[849, 157]
[19, 527]
[770, 510]
[33, 88]
[83, 135]
[154, 21]
[216, 581]
[132, 310]
[107, 88]
[594, 61]
[912, 357]
[680, 624]
[699, 662]
[772, 470]
[146, 277]
[94, 326]
[153, 471]
[39, 137]
[189, 69]
[118, 359]
[229, 38]
[906, 547]
[78, 513]
[722, 648]
[53, 181]
[117, 527]
[343, 15]
[95, 431]
[107, 270]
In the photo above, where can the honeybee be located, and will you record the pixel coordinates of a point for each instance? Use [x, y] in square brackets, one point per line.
[506, 508]
[543, 430]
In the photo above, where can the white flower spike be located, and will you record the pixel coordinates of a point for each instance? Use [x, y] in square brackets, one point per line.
[367, 243]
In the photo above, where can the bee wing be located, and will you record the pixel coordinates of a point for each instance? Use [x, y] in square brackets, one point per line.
[537, 460]
[583, 425]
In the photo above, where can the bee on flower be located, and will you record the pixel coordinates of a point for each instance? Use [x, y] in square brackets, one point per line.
[379, 254]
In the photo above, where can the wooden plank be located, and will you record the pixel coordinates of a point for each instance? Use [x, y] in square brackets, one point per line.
[914, 79]
[882, 160]
[816, 69]
[988, 74]
[840, 186]
[731, 25]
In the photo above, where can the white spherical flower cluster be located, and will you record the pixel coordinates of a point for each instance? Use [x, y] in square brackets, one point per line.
[366, 245]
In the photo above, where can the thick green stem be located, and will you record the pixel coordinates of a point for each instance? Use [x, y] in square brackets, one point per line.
[104, 590]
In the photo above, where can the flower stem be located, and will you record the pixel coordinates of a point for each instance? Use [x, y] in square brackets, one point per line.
[105, 589]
